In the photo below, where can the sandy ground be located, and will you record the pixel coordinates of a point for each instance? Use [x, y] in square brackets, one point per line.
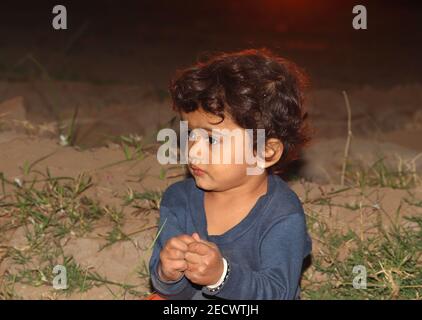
[385, 123]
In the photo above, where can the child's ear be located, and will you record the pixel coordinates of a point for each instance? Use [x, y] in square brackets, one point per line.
[273, 151]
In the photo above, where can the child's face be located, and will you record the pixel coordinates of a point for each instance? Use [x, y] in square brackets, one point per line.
[217, 174]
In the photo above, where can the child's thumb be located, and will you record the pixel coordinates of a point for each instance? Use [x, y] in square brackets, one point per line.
[196, 237]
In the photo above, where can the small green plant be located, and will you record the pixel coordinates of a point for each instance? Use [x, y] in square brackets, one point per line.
[379, 174]
[391, 258]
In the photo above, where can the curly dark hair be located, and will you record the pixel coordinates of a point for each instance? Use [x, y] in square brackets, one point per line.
[256, 88]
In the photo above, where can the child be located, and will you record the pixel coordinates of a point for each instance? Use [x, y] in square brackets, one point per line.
[225, 233]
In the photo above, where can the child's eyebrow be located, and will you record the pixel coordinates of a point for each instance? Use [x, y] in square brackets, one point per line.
[205, 128]
[216, 132]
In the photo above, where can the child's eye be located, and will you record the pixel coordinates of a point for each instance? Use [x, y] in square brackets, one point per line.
[213, 140]
[191, 135]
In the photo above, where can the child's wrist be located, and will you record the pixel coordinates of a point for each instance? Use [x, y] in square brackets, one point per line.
[222, 277]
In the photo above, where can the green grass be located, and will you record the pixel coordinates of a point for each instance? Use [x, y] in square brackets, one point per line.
[391, 252]
[392, 257]
[393, 265]
[381, 174]
[51, 210]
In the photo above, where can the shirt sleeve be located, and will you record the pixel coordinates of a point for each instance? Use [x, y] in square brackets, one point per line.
[282, 251]
[169, 227]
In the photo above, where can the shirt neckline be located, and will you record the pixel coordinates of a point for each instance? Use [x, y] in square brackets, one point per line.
[198, 213]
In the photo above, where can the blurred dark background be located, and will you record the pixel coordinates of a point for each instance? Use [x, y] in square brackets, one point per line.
[144, 41]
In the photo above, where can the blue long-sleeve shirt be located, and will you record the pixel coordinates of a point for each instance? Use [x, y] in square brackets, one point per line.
[265, 250]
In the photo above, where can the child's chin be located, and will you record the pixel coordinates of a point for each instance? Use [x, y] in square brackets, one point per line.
[200, 183]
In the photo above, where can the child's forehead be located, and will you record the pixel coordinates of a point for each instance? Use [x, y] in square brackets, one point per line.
[201, 119]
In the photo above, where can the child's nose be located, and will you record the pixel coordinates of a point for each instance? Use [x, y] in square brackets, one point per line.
[197, 152]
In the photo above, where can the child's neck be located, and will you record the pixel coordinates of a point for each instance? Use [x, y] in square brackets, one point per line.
[225, 209]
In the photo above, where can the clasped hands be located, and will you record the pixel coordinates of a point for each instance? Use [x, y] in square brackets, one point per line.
[199, 260]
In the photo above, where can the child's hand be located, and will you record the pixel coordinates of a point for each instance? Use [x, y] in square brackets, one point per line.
[204, 262]
[172, 258]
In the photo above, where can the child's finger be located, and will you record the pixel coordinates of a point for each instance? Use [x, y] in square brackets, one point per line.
[210, 244]
[196, 237]
[199, 248]
[187, 239]
[191, 257]
[180, 242]
[177, 243]
[175, 254]
[179, 265]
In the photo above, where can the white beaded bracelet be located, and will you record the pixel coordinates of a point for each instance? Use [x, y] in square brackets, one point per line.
[214, 289]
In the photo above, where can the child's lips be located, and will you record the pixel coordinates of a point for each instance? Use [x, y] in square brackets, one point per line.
[196, 170]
